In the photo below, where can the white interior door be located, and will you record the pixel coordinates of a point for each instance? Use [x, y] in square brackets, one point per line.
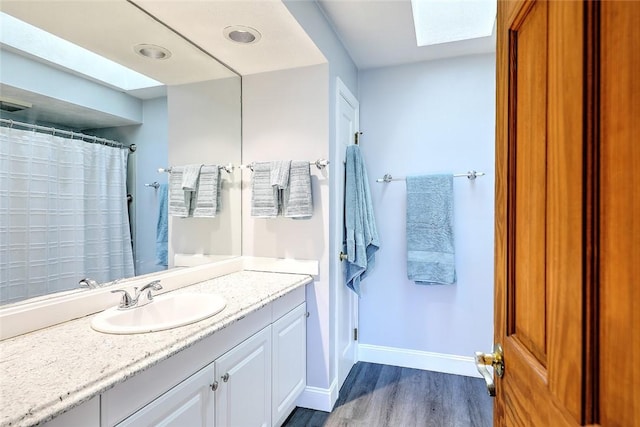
[347, 118]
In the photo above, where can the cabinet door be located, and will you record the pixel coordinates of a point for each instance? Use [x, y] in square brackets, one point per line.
[243, 397]
[190, 403]
[289, 341]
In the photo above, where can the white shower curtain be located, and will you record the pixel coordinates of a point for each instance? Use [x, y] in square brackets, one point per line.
[63, 214]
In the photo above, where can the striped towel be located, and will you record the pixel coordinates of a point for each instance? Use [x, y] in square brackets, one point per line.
[297, 198]
[280, 179]
[180, 201]
[190, 175]
[280, 174]
[264, 197]
[208, 194]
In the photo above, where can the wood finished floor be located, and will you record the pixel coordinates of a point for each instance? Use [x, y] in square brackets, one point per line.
[379, 395]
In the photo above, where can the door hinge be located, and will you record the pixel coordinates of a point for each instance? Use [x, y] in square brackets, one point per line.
[355, 334]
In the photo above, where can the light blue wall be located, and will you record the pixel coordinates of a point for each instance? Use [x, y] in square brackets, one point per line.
[430, 117]
[321, 335]
[285, 116]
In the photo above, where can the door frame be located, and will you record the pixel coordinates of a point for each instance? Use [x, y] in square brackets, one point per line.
[342, 92]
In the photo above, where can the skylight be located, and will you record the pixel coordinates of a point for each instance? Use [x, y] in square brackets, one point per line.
[39, 43]
[444, 21]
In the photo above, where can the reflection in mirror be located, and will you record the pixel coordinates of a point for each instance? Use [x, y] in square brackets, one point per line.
[75, 207]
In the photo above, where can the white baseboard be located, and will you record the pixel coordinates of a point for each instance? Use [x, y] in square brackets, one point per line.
[320, 399]
[426, 360]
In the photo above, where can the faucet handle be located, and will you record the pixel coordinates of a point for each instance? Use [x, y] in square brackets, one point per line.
[126, 301]
[156, 286]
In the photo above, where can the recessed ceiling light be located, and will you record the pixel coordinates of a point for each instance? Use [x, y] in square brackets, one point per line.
[241, 34]
[152, 51]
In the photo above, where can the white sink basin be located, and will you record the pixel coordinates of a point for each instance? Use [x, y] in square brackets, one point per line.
[165, 312]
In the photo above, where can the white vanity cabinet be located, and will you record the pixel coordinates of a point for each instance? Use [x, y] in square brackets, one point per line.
[289, 351]
[187, 404]
[249, 374]
[260, 379]
[243, 395]
[84, 415]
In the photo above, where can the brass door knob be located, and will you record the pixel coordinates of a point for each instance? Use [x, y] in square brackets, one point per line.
[495, 359]
[343, 256]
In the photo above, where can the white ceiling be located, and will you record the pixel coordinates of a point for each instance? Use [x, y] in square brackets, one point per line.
[379, 33]
[376, 33]
[284, 44]
[112, 27]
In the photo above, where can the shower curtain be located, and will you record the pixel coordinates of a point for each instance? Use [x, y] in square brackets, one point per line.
[63, 214]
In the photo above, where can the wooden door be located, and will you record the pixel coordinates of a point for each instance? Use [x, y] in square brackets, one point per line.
[567, 228]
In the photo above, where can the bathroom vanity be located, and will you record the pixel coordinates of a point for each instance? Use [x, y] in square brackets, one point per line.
[244, 366]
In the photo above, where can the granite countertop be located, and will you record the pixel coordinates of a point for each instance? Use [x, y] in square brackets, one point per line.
[47, 372]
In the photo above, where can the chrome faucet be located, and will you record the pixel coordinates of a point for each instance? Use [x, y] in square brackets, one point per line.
[88, 283]
[127, 301]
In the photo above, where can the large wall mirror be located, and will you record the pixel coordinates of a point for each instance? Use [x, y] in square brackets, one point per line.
[176, 103]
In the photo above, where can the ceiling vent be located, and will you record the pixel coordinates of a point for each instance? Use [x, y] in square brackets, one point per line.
[13, 105]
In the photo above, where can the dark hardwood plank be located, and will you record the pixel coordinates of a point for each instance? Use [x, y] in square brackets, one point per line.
[376, 395]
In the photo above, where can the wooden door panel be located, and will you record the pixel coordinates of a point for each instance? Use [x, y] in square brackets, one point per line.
[527, 173]
[539, 295]
[566, 216]
[620, 215]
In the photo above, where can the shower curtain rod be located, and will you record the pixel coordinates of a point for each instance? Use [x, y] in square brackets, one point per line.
[77, 135]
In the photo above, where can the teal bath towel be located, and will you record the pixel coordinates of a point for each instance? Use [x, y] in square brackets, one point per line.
[162, 226]
[430, 243]
[360, 225]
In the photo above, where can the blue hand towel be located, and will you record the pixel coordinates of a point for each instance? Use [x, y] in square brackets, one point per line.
[280, 174]
[162, 227]
[264, 197]
[297, 200]
[280, 170]
[360, 225]
[190, 176]
[180, 202]
[207, 202]
[430, 245]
